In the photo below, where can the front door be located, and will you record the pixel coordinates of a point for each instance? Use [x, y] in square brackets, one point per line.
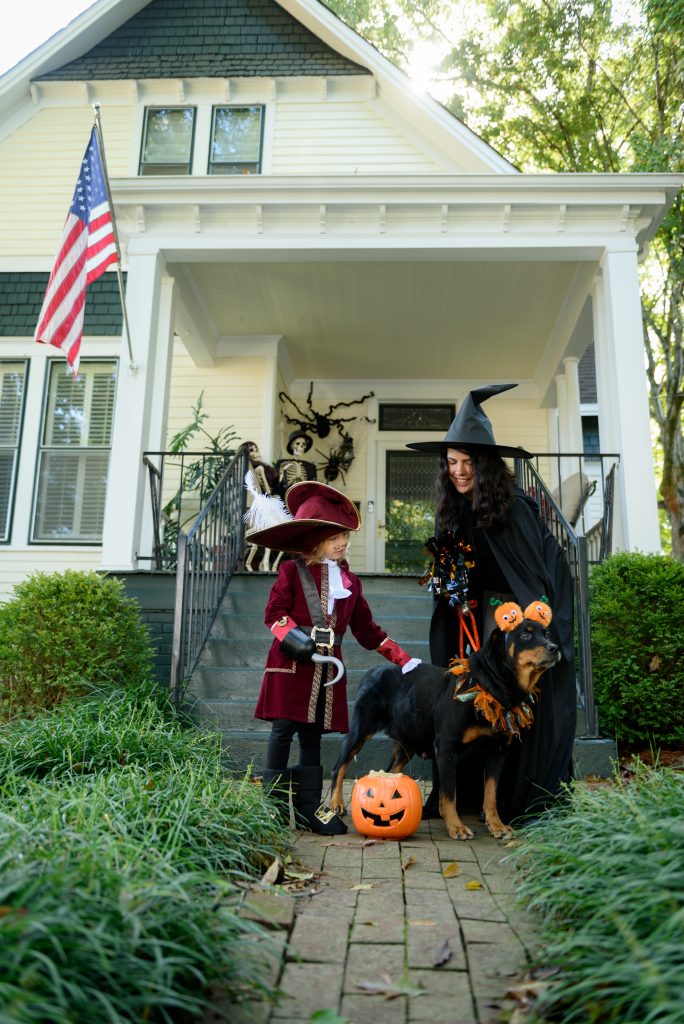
[409, 510]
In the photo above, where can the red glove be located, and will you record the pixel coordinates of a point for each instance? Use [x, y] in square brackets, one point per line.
[281, 627]
[391, 650]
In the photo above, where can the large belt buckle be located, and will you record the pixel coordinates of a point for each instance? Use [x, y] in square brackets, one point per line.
[329, 643]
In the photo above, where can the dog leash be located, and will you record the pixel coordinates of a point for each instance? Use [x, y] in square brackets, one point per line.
[464, 631]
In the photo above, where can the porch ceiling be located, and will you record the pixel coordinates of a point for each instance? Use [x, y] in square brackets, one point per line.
[395, 319]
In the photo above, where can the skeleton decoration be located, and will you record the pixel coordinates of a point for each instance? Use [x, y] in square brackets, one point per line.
[295, 469]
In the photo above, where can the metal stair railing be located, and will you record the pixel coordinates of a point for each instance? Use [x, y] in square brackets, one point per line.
[207, 557]
[575, 550]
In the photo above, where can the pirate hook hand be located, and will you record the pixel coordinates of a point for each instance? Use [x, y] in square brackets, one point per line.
[391, 650]
[293, 640]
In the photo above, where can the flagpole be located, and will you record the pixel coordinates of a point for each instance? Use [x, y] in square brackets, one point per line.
[132, 365]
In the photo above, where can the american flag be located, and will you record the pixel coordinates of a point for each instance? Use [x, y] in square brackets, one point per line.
[87, 248]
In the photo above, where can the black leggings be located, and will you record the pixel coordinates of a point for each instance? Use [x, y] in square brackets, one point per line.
[282, 732]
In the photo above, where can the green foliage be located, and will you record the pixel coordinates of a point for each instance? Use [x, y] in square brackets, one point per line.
[199, 475]
[64, 633]
[118, 866]
[605, 872]
[638, 647]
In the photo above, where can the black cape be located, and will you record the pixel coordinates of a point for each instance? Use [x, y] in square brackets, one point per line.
[530, 559]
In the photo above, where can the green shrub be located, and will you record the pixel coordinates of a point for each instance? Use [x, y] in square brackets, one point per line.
[63, 633]
[637, 636]
[605, 871]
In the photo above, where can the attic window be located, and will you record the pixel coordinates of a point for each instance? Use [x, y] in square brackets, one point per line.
[236, 137]
[167, 140]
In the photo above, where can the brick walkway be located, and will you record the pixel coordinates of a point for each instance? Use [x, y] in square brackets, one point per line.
[383, 915]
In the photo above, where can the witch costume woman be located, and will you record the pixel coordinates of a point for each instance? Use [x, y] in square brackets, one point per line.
[491, 545]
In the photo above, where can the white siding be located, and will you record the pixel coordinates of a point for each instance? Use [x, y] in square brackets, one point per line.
[18, 563]
[342, 138]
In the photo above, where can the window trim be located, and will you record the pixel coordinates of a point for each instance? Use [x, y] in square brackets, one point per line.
[7, 539]
[68, 542]
[382, 405]
[143, 137]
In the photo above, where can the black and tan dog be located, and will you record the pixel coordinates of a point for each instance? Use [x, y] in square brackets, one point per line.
[479, 705]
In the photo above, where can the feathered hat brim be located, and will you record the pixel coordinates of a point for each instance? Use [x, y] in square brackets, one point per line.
[299, 536]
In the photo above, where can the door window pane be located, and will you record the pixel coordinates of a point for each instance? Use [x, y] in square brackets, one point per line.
[433, 416]
[236, 140]
[167, 140]
[73, 461]
[12, 390]
[409, 509]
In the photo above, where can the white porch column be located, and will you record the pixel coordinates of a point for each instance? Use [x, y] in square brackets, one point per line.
[623, 401]
[563, 440]
[572, 391]
[141, 408]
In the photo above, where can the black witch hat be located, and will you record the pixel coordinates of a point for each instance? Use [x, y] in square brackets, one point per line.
[472, 429]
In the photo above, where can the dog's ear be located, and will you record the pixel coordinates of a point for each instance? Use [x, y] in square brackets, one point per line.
[507, 616]
[539, 611]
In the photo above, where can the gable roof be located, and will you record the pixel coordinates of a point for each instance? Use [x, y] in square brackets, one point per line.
[208, 39]
[99, 25]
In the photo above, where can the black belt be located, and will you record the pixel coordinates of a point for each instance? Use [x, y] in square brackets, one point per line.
[325, 636]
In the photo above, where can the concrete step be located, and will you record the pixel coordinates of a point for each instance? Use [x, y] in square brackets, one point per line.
[252, 653]
[236, 713]
[400, 626]
[228, 684]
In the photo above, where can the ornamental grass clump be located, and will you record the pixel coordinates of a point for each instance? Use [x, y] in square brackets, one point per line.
[109, 910]
[63, 633]
[637, 638]
[606, 873]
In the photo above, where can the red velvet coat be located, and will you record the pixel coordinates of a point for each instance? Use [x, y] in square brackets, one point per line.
[286, 690]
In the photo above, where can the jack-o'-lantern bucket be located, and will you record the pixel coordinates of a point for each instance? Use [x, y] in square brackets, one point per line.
[386, 805]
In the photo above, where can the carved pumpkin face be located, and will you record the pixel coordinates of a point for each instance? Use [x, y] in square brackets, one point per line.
[386, 805]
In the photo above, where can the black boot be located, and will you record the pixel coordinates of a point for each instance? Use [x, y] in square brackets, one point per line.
[307, 786]
[276, 783]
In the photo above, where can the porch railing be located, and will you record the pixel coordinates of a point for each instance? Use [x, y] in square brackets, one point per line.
[575, 548]
[179, 485]
[207, 557]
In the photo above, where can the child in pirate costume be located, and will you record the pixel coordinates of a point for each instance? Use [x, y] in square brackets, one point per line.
[314, 600]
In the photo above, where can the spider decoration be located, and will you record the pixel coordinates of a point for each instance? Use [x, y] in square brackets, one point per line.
[321, 423]
[338, 460]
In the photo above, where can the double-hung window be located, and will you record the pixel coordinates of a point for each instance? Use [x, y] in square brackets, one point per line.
[12, 391]
[167, 140]
[236, 140]
[73, 461]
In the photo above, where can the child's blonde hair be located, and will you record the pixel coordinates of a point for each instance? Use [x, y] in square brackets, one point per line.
[315, 556]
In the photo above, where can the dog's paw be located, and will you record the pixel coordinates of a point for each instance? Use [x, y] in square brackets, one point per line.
[499, 830]
[338, 808]
[460, 832]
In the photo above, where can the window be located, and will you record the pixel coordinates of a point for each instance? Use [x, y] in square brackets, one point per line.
[167, 140]
[435, 416]
[236, 134]
[591, 443]
[12, 390]
[73, 461]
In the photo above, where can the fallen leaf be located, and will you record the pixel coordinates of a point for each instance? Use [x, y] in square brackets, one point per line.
[390, 989]
[441, 954]
[363, 885]
[274, 873]
[655, 663]
[371, 842]
[367, 924]
[513, 842]
[301, 876]
[452, 870]
[409, 863]
[473, 884]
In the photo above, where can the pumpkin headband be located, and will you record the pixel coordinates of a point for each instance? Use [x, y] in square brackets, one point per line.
[509, 615]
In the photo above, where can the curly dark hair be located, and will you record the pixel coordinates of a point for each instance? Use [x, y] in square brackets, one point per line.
[492, 493]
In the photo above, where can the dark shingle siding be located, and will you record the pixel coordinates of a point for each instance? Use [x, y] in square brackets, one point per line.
[587, 377]
[208, 39]
[21, 298]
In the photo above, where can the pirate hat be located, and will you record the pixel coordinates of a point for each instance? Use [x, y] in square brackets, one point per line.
[315, 512]
[293, 437]
[472, 428]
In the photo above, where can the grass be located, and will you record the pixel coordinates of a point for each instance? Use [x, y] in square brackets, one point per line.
[122, 845]
[606, 873]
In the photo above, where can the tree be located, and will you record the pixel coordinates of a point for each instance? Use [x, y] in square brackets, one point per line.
[567, 85]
